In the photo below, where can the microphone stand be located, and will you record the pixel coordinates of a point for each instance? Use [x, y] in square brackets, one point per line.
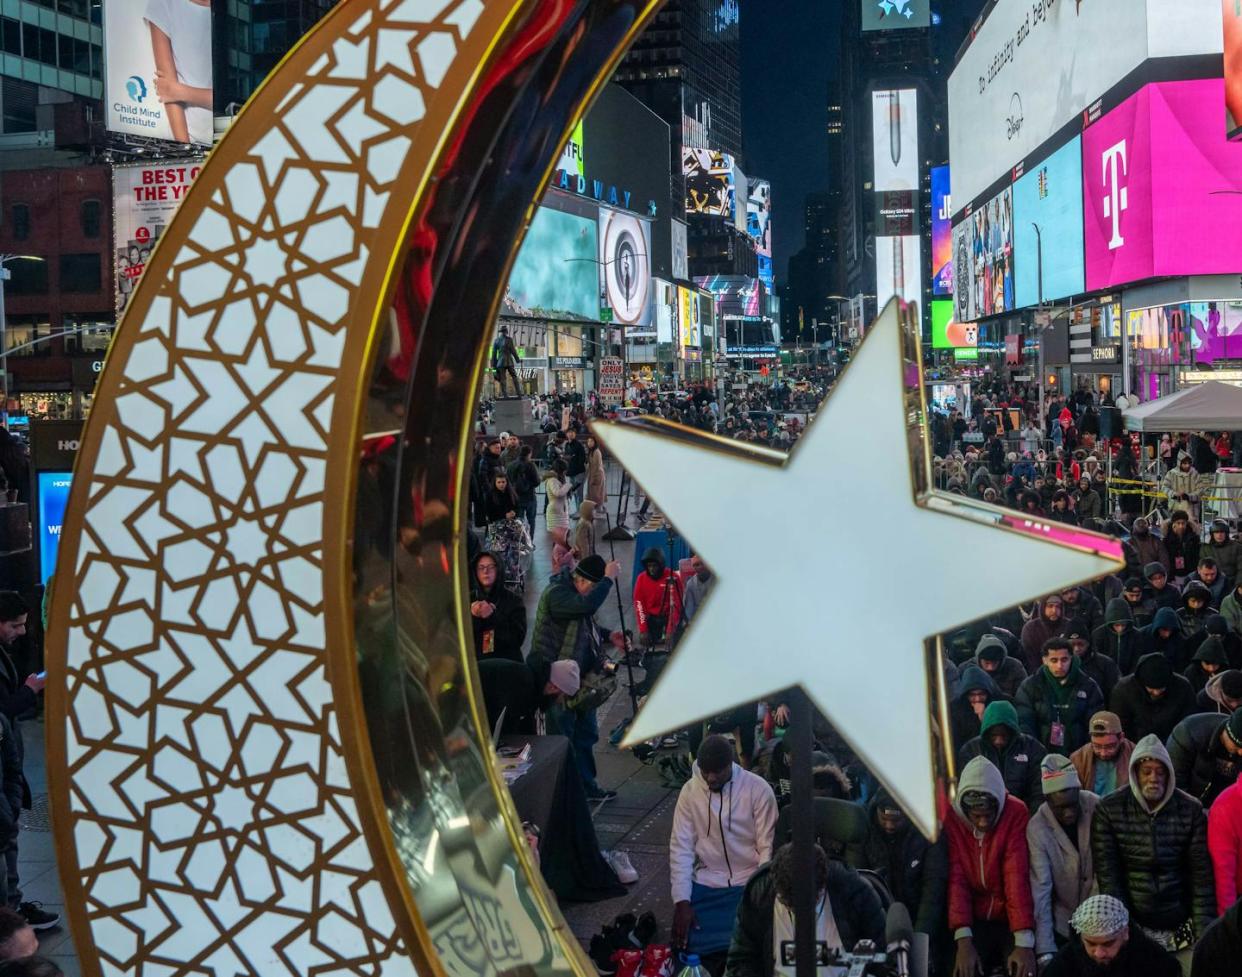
[629, 658]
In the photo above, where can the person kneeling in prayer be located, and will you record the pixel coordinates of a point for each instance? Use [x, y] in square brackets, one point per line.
[847, 910]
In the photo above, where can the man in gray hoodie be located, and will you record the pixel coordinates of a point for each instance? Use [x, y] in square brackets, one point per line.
[1149, 845]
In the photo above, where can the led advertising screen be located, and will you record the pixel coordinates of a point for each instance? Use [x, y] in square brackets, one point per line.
[1233, 69]
[759, 226]
[1167, 136]
[144, 199]
[556, 273]
[898, 245]
[984, 260]
[1049, 196]
[895, 15]
[688, 317]
[898, 269]
[942, 232]
[171, 38]
[1034, 67]
[624, 268]
[711, 182]
[736, 295]
[53, 489]
[947, 332]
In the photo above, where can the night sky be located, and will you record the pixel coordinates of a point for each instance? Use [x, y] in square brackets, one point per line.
[789, 51]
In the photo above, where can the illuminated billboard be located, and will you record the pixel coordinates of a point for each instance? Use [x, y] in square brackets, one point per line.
[144, 199]
[624, 268]
[158, 82]
[688, 317]
[735, 295]
[1031, 68]
[712, 183]
[1162, 187]
[984, 260]
[942, 232]
[759, 226]
[895, 15]
[898, 243]
[53, 489]
[947, 332]
[555, 275]
[1047, 239]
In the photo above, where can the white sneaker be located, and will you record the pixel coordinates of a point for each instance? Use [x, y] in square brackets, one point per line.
[622, 866]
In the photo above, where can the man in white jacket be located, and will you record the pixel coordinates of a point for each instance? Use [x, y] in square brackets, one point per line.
[723, 829]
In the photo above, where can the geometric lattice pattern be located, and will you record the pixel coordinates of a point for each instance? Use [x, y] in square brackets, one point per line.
[214, 824]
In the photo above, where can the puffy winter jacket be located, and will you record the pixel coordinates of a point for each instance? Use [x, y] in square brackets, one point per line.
[1201, 765]
[1154, 858]
[1217, 953]
[1043, 702]
[1225, 845]
[989, 876]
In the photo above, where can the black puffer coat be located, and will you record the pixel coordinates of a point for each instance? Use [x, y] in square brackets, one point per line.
[1156, 862]
[1201, 765]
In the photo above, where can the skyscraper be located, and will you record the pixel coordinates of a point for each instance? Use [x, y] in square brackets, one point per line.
[252, 36]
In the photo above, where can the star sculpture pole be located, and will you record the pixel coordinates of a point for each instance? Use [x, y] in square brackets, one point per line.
[832, 570]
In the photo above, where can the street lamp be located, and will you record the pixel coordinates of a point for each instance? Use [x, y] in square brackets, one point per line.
[5, 275]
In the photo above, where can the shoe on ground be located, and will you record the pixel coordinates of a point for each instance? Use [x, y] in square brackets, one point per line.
[599, 794]
[670, 741]
[645, 930]
[601, 952]
[36, 917]
[621, 864]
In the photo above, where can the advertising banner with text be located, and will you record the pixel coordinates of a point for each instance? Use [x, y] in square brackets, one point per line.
[144, 200]
[1035, 65]
[1162, 187]
[158, 69]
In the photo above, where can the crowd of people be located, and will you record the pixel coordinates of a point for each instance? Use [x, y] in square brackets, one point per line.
[1096, 826]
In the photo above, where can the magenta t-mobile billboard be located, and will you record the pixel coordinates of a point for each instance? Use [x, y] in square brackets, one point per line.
[1162, 187]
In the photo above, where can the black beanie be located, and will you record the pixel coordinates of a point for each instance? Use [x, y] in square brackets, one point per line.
[1233, 727]
[1231, 683]
[1154, 672]
[591, 568]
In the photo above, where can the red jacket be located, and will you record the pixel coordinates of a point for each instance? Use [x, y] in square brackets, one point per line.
[660, 596]
[1225, 845]
[991, 878]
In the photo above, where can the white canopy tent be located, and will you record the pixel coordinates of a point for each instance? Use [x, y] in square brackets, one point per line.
[1211, 406]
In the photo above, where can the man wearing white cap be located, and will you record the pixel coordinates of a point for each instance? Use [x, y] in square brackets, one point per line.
[524, 691]
[1106, 946]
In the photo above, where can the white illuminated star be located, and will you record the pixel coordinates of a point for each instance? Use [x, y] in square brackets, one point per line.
[831, 573]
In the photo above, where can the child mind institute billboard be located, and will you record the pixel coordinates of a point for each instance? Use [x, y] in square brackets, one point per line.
[158, 81]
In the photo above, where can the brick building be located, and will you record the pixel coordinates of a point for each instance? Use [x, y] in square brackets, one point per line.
[63, 217]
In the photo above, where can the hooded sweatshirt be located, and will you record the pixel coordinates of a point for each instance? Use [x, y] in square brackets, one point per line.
[1140, 714]
[1121, 648]
[989, 873]
[1018, 763]
[719, 840]
[1211, 652]
[1152, 855]
[658, 596]
[964, 722]
[1011, 671]
[1171, 646]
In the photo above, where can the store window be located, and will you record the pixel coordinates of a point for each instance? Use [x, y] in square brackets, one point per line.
[52, 405]
[87, 334]
[26, 277]
[26, 335]
[80, 273]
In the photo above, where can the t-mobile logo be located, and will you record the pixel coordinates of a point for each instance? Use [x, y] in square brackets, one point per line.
[1118, 198]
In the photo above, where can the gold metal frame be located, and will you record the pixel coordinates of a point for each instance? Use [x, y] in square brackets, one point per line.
[202, 633]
